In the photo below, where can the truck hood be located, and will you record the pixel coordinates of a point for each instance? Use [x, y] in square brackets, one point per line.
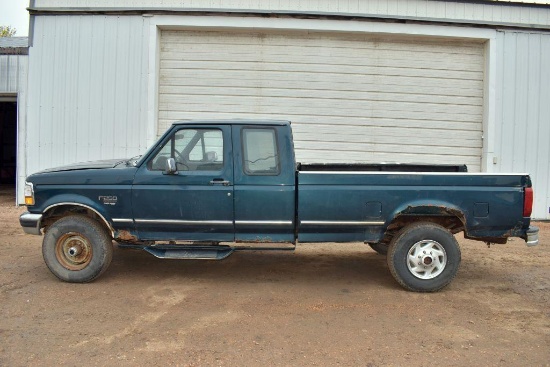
[107, 172]
[108, 163]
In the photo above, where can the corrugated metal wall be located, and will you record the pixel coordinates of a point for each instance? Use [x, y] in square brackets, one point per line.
[88, 94]
[13, 72]
[523, 111]
[465, 12]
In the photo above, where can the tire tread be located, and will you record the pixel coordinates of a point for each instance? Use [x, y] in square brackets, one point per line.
[393, 248]
[99, 234]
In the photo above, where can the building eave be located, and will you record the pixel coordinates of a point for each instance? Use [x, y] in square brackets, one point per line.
[282, 13]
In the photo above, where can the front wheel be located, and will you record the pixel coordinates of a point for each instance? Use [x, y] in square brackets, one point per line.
[424, 257]
[77, 249]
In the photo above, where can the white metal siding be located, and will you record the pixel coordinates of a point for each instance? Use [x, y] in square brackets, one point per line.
[351, 97]
[453, 11]
[88, 95]
[523, 111]
[13, 72]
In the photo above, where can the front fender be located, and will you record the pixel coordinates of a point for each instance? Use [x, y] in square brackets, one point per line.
[76, 200]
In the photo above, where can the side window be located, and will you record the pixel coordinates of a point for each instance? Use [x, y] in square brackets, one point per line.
[260, 153]
[193, 150]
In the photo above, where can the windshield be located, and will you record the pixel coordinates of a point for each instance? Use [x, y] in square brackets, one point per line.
[139, 160]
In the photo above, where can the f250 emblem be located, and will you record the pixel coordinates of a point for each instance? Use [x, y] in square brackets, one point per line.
[108, 200]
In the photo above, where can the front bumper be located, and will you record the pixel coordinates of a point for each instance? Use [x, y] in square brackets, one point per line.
[30, 223]
[532, 236]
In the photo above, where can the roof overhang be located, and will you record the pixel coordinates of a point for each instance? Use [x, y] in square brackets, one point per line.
[305, 14]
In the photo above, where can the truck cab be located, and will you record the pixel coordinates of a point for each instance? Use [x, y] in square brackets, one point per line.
[225, 182]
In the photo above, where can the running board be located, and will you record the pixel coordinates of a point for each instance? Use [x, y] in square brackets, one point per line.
[198, 252]
[190, 252]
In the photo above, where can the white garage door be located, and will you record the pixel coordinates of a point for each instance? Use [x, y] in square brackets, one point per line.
[350, 97]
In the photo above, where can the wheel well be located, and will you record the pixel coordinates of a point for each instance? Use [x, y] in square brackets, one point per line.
[454, 223]
[55, 213]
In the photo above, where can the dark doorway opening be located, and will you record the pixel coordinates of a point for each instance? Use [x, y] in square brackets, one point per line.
[8, 142]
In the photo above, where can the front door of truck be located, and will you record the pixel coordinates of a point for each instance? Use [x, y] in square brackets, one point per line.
[196, 202]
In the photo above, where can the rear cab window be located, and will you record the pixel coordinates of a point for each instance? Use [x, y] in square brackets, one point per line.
[260, 152]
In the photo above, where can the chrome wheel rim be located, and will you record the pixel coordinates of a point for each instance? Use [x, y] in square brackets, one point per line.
[426, 259]
[73, 251]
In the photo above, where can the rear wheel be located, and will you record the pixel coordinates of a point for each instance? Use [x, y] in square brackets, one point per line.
[424, 257]
[77, 249]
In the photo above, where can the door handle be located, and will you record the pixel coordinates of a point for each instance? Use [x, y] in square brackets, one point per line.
[220, 181]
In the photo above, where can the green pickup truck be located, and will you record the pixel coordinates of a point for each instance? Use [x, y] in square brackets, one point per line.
[209, 188]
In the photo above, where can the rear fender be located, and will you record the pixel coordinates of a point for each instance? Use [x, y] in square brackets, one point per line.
[427, 209]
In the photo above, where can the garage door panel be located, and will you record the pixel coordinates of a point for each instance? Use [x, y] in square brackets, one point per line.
[352, 107]
[323, 40]
[331, 82]
[326, 51]
[320, 94]
[385, 136]
[280, 111]
[322, 64]
[387, 92]
[260, 65]
[322, 125]
[363, 125]
[351, 97]
[387, 148]
[390, 143]
[327, 45]
[343, 58]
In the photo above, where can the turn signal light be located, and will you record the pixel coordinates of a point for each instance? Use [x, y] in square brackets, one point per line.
[29, 193]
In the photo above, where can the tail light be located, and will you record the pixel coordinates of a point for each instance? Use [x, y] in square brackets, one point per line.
[527, 201]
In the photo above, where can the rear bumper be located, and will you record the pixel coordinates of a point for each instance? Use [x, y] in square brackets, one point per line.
[532, 236]
[30, 223]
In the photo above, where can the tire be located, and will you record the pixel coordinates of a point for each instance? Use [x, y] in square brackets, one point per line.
[77, 249]
[380, 248]
[424, 257]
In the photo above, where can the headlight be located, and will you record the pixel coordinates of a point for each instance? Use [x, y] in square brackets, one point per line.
[29, 194]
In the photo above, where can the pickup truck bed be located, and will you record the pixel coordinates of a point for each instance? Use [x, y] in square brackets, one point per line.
[355, 206]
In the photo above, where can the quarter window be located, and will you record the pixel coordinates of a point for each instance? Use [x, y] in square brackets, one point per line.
[260, 153]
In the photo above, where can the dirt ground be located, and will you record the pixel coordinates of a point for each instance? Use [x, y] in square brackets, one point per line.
[324, 304]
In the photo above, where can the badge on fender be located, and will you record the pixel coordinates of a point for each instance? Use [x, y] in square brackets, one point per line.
[108, 200]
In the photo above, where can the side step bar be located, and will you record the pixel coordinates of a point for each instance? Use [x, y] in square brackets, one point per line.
[190, 252]
[194, 252]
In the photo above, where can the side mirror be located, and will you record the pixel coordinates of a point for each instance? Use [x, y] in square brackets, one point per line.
[171, 167]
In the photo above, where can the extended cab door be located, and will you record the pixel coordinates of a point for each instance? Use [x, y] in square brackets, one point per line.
[264, 183]
[196, 202]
